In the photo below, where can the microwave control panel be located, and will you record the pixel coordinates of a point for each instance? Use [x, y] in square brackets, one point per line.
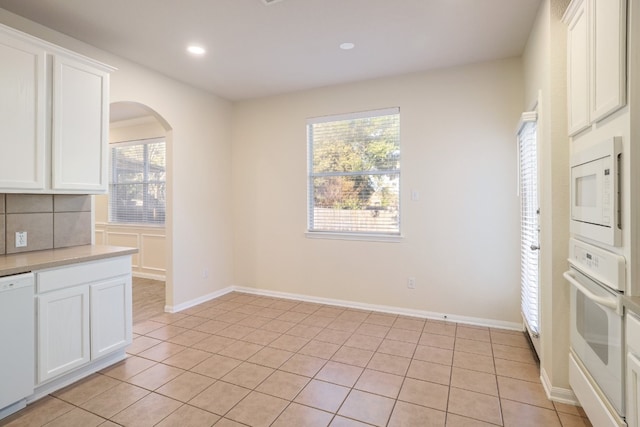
[606, 191]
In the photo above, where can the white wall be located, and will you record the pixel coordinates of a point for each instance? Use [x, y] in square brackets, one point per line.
[199, 149]
[461, 239]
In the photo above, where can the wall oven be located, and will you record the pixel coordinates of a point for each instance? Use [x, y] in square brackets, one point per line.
[596, 371]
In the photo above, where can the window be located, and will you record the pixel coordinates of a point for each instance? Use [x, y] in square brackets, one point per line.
[137, 182]
[354, 173]
[529, 225]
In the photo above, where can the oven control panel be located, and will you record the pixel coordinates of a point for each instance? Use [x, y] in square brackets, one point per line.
[602, 265]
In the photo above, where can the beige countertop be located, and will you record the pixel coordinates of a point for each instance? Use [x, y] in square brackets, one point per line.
[39, 260]
[631, 304]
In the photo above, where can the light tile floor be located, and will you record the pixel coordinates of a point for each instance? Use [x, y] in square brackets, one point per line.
[249, 360]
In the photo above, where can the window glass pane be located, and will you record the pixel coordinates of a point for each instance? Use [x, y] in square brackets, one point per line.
[137, 191]
[354, 173]
[357, 203]
[528, 189]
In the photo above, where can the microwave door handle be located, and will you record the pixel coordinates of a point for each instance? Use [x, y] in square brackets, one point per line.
[611, 303]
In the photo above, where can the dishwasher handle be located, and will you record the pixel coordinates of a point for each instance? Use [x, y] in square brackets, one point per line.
[611, 303]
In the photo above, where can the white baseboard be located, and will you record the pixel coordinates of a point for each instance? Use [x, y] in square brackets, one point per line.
[557, 394]
[192, 303]
[475, 321]
[160, 277]
[492, 323]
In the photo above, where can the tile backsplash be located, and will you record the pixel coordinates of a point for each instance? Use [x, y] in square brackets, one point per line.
[51, 221]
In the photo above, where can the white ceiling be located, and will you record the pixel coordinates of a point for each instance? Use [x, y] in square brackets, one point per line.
[255, 50]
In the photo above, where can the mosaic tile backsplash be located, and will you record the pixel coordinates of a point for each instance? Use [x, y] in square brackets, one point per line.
[51, 221]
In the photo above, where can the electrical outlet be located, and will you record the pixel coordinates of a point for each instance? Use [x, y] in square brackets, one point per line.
[411, 283]
[205, 273]
[21, 239]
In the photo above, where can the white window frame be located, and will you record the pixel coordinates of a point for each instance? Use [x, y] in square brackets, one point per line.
[528, 191]
[356, 236]
[145, 141]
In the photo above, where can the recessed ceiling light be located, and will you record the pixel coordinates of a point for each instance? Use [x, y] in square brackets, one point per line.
[347, 46]
[196, 50]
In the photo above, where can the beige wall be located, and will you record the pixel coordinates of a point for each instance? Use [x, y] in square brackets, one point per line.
[545, 81]
[461, 238]
[150, 261]
[199, 149]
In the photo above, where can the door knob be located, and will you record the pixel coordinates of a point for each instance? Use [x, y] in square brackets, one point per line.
[535, 247]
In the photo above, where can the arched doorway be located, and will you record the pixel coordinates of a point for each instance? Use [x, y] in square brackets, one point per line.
[134, 213]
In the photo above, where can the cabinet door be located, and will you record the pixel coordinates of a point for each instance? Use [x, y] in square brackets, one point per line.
[578, 68]
[633, 390]
[23, 114]
[63, 331]
[110, 315]
[80, 126]
[608, 62]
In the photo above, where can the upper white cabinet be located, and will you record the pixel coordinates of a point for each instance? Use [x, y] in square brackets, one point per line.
[23, 113]
[596, 60]
[53, 118]
[578, 66]
[608, 64]
[80, 126]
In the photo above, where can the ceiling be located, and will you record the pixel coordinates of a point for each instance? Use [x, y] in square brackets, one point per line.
[256, 49]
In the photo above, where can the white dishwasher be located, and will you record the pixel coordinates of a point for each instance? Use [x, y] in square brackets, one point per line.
[17, 342]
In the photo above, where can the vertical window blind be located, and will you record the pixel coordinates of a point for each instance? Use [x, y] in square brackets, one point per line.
[354, 173]
[528, 191]
[137, 182]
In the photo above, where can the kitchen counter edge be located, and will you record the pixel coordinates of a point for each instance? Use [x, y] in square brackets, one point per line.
[631, 304]
[25, 262]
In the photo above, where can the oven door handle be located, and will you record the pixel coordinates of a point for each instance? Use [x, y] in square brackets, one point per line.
[611, 303]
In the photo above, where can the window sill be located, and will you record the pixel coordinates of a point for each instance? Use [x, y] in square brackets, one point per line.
[131, 225]
[387, 238]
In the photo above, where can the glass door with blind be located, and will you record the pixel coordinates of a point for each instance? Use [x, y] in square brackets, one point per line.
[529, 225]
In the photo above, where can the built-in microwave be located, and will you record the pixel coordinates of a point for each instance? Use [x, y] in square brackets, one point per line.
[595, 192]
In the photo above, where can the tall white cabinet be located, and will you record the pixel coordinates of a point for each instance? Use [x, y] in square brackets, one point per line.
[54, 118]
[632, 324]
[596, 61]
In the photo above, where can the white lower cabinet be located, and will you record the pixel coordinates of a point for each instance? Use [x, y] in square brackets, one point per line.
[633, 370]
[84, 313]
[63, 331]
[110, 316]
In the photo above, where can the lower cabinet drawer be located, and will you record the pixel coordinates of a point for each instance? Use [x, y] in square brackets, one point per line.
[77, 274]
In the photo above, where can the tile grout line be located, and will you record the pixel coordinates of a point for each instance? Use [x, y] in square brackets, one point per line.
[340, 317]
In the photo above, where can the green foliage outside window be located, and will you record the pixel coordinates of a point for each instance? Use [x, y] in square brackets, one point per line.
[355, 165]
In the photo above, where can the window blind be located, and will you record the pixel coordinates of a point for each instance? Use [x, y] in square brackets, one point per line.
[354, 173]
[528, 190]
[137, 182]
